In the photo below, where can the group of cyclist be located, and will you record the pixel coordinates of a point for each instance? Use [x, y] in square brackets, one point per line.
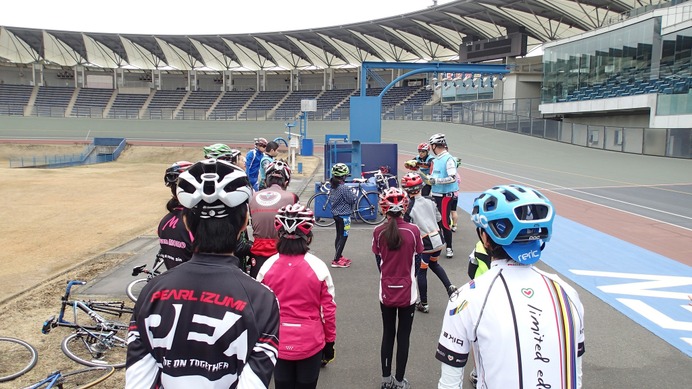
[206, 323]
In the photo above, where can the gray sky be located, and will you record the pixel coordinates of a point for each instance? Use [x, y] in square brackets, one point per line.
[208, 17]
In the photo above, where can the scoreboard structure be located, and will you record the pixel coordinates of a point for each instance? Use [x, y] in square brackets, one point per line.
[512, 45]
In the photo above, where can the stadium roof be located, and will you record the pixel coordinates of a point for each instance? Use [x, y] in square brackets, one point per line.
[432, 34]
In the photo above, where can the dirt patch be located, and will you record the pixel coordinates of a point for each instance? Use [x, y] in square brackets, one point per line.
[57, 223]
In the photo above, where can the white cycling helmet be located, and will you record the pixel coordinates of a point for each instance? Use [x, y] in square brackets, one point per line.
[438, 139]
[279, 169]
[294, 221]
[213, 187]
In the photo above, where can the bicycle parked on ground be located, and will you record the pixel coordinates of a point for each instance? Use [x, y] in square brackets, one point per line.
[17, 357]
[365, 209]
[97, 343]
[135, 287]
[83, 378]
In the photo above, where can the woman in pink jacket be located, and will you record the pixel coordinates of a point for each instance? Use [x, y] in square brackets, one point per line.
[305, 290]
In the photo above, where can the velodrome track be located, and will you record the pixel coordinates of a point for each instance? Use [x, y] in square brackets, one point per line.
[623, 236]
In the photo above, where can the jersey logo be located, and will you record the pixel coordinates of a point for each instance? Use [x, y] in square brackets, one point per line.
[267, 198]
[459, 308]
[528, 292]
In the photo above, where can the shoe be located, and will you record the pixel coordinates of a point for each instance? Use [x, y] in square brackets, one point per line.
[346, 260]
[387, 383]
[473, 377]
[401, 385]
[451, 290]
[341, 263]
[425, 308]
[450, 253]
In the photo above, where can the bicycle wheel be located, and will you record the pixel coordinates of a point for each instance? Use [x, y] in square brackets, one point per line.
[368, 209]
[323, 212]
[135, 287]
[85, 378]
[16, 358]
[95, 348]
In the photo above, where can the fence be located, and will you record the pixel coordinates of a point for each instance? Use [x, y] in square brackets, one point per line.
[518, 115]
[99, 151]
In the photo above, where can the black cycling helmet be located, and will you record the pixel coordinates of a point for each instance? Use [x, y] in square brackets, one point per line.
[172, 172]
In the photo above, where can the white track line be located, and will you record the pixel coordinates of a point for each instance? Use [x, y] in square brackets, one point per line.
[497, 173]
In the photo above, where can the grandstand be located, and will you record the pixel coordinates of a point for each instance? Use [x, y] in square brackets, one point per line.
[613, 75]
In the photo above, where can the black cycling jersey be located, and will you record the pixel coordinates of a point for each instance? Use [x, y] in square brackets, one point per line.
[203, 324]
[175, 239]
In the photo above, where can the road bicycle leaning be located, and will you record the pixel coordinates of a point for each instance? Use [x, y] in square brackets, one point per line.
[365, 209]
[83, 378]
[17, 357]
[99, 343]
[135, 287]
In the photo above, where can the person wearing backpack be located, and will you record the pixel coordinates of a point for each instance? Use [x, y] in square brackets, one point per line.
[397, 246]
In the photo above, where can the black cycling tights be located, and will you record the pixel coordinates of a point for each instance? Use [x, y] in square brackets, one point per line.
[341, 237]
[403, 335]
[302, 374]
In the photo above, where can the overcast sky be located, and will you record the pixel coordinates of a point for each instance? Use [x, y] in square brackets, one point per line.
[199, 17]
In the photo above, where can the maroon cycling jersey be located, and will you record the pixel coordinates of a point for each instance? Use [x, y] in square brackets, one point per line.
[204, 324]
[175, 240]
[398, 267]
[263, 207]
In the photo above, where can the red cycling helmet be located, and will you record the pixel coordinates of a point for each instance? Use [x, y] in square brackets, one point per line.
[412, 182]
[425, 146]
[294, 221]
[393, 200]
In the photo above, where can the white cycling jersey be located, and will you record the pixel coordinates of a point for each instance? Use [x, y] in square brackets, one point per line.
[526, 328]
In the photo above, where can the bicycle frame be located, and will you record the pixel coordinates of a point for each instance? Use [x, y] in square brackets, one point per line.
[90, 308]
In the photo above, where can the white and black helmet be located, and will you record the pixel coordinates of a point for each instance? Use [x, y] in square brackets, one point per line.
[438, 139]
[279, 169]
[213, 187]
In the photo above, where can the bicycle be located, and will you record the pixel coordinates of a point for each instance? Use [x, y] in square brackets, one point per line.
[381, 177]
[135, 287]
[97, 344]
[365, 209]
[83, 378]
[17, 357]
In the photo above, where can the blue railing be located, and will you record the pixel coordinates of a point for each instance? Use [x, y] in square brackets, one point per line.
[99, 151]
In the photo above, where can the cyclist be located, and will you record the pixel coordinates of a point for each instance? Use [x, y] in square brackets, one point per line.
[342, 199]
[423, 213]
[205, 323]
[454, 216]
[225, 153]
[270, 152]
[443, 178]
[263, 207]
[252, 161]
[526, 326]
[397, 246]
[423, 163]
[175, 240]
[305, 290]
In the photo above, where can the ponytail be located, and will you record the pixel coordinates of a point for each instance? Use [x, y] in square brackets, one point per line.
[391, 232]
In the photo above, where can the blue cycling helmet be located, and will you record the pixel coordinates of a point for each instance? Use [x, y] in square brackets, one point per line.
[516, 217]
